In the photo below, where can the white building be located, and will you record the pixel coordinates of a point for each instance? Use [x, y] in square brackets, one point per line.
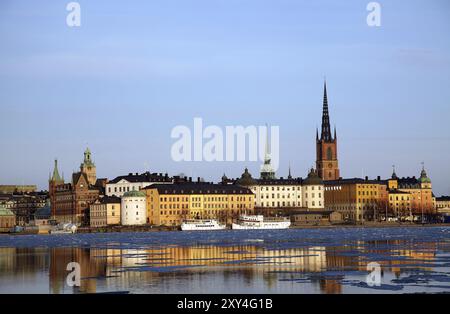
[290, 193]
[135, 182]
[133, 208]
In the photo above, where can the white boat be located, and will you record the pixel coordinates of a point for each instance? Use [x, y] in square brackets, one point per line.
[201, 225]
[250, 222]
[67, 228]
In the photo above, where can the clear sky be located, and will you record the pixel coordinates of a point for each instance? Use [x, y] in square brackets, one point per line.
[136, 69]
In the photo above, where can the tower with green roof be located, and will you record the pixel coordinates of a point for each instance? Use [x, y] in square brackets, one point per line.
[88, 167]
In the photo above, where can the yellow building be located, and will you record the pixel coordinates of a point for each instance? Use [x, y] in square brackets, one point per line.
[443, 204]
[400, 204]
[105, 211]
[420, 190]
[170, 204]
[356, 199]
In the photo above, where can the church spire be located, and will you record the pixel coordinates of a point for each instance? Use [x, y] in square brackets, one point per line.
[55, 177]
[326, 130]
[267, 171]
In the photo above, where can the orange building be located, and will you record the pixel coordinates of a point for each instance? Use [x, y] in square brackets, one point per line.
[420, 190]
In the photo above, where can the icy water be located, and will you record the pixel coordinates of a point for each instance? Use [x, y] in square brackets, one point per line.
[285, 261]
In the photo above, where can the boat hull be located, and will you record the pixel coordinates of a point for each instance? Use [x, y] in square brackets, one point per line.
[193, 228]
[202, 225]
[262, 226]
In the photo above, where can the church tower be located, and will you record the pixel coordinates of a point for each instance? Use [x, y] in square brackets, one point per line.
[267, 172]
[326, 146]
[88, 167]
[53, 181]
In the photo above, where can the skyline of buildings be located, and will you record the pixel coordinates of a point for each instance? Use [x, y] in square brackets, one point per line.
[323, 190]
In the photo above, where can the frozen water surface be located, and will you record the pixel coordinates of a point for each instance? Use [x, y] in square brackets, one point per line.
[334, 260]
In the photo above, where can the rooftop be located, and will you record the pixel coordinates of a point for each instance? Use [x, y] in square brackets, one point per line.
[198, 188]
[143, 177]
[134, 194]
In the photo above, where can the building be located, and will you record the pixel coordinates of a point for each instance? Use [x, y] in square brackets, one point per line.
[133, 208]
[105, 211]
[316, 218]
[24, 205]
[443, 203]
[170, 204]
[10, 189]
[53, 181]
[71, 201]
[420, 190]
[135, 182]
[326, 146]
[43, 215]
[400, 203]
[282, 196]
[362, 200]
[88, 167]
[357, 199]
[7, 219]
[267, 171]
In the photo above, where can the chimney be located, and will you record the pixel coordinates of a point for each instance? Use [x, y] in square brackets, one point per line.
[378, 178]
[198, 179]
[190, 179]
[367, 178]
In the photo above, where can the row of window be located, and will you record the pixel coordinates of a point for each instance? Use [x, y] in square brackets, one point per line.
[286, 188]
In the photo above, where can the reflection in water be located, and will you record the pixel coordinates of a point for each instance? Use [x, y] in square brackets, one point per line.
[248, 268]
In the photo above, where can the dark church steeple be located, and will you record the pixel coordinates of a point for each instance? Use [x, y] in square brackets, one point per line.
[326, 129]
[326, 146]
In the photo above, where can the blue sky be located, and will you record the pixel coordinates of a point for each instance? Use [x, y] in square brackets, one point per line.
[133, 71]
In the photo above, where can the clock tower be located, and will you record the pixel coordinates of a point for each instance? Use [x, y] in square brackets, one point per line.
[326, 146]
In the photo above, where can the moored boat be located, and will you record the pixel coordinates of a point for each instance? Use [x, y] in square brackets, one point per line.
[251, 222]
[201, 225]
[67, 228]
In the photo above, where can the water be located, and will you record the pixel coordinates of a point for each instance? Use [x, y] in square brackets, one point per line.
[285, 261]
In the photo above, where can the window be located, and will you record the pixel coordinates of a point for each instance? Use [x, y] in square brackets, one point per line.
[329, 153]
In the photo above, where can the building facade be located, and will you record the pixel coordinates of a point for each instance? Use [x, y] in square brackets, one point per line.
[70, 201]
[24, 205]
[419, 189]
[88, 167]
[133, 209]
[10, 189]
[326, 146]
[7, 219]
[357, 199]
[135, 182]
[169, 205]
[53, 181]
[281, 196]
[105, 211]
[443, 203]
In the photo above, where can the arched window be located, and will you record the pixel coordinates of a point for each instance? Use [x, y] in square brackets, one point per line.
[329, 153]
